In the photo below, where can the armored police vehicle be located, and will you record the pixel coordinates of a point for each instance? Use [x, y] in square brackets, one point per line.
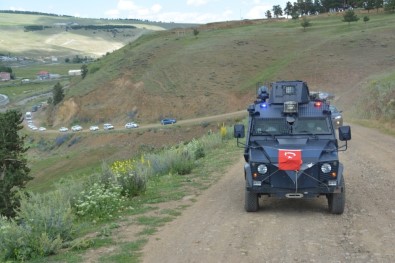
[291, 148]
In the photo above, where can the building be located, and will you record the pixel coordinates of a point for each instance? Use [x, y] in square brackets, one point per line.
[5, 76]
[43, 75]
[75, 72]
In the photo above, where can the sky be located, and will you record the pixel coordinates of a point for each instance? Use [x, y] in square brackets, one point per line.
[177, 11]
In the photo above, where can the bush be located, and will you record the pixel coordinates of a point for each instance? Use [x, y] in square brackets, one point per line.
[182, 167]
[379, 102]
[130, 176]
[62, 139]
[49, 213]
[132, 183]
[99, 201]
[43, 223]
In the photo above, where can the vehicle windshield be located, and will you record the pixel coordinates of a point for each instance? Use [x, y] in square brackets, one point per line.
[333, 109]
[279, 126]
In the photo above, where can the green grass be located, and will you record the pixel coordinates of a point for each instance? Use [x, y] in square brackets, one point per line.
[147, 231]
[130, 253]
[154, 221]
[219, 59]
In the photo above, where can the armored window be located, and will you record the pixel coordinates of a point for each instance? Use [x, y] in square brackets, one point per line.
[269, 126]
[289, 90]
[311, 125]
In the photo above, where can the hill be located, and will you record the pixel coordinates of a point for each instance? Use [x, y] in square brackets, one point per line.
[66, 36]
[176, 73]
[179, 74]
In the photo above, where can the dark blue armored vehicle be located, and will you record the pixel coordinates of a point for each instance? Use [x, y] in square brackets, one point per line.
[291, 148]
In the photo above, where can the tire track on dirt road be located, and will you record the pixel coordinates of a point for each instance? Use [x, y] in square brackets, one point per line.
[217, 229]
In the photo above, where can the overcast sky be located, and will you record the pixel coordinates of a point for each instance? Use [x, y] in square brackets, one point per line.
[178, 11]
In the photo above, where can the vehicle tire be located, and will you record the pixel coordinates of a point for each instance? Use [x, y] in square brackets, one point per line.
[337, 201]
[251, 202]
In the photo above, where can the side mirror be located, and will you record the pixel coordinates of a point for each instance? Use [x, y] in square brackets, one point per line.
[238, 131]
[344, 133]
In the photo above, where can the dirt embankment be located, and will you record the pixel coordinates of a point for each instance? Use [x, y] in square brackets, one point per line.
[217, 229]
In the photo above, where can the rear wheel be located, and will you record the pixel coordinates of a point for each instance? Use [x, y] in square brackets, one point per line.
[251, 203]
[337, 201]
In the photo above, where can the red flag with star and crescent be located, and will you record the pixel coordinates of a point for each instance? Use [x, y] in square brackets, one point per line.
[289, 159]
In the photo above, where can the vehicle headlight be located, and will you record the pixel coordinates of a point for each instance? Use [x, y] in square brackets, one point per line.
[262, 169]
[326, 168]
[338, 117]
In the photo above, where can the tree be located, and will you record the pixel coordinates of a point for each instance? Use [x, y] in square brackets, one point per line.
[14, 172]
[77, 59]
[277, 11]
[350, 16]
[365, 19]
[305, 23]
[389, 5]
[268, 14]
[369, 5]
[195, 32]
[84, 71]
[295, 15]
[288, 9]
[57, 93]
[378, 4]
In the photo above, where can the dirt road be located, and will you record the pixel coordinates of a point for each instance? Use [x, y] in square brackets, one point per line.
[217, 229]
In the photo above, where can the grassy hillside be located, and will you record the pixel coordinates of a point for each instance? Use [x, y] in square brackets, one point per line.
[177, 74]
[55, 40]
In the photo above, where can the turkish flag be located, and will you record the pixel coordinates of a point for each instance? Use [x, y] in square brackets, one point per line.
[289, 159]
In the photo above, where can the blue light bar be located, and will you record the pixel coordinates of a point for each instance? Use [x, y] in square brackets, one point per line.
[263, 105]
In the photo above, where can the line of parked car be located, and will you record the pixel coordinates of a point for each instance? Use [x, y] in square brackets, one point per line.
[30, 123]
[106, 126]
[109, 126]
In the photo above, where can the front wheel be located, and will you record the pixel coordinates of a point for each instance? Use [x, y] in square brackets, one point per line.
[251, 203]
[337, 201]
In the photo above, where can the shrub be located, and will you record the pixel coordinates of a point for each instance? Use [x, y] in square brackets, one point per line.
[132, 183]
[74, 141]
[14, 240]
[379, 102]
[44, 145]
[43, 223]
[223, 132]
[182, 166]
[204, 124]
[99, 201]
[199, 152]
[129, 177]
[62, 139]
[49, 213]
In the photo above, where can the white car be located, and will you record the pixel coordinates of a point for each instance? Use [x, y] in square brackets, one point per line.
[63, 129]
[130, 125]
[76, 128]
[94, 128]
[42, 129]
[34, 128]
[108, 126]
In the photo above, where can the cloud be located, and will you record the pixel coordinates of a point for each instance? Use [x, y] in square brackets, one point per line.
[192, 17]
[156, 8]
[258, 11]
[112, 13]
[124, 5]
[197, 2]
[131, 10]
[13, 8]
